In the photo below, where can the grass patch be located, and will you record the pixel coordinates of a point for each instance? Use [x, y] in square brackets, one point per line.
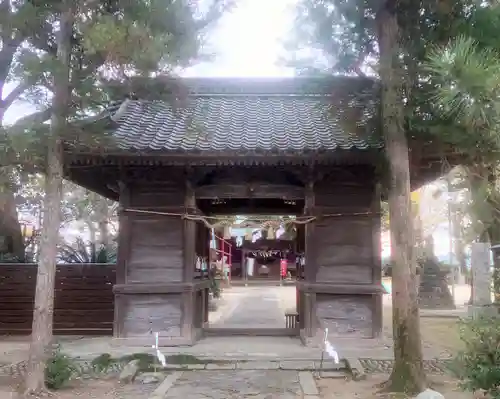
[103, 362]
[146, 360]
[441, 333]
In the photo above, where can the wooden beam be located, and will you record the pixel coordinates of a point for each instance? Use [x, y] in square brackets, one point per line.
[248, 210]
[166, 288]
[95, 182]
[341, 289]
[250, 190]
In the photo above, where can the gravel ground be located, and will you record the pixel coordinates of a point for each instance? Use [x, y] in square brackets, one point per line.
[369, 388]
[88, 389]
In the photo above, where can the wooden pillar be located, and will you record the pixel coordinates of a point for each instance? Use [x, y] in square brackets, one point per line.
[189, 248]
[377, 264]
[244, 271]
[189, 234]
[124, 245]
[309, 210]
[308, 299]
[188, 310]
[206, 294]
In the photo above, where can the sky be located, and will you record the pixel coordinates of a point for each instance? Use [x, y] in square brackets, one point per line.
[247, 42]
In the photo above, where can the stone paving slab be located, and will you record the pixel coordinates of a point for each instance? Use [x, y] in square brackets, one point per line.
[161, 391]
[253, 307]
[308, 384]
[258, 365]
[215, 366]
[263, 365]
[237, 384]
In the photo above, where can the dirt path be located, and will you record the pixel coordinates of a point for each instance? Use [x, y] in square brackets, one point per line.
[369, 388]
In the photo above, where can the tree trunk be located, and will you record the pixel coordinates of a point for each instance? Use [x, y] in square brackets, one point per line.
[482, 183]
[458, 239]
[92, 233]
[494, 234]
[103, 218]
[12, 242]
[44, 297]
[408, 373]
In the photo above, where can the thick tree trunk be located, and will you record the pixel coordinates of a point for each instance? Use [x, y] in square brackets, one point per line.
[408, 373]
[44, 297]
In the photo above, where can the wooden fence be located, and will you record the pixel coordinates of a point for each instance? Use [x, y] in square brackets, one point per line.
[83, 303]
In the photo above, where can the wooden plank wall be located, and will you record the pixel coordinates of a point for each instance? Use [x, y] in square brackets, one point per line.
[156, 253]
[345, 251]
[156, 242]
[83, 304]
[153, 255]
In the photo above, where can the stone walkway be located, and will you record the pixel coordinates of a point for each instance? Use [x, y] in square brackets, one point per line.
[253, 307]
[241, 384]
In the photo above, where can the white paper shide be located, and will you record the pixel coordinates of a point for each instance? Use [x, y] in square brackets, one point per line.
[329, 349]
[159, 355]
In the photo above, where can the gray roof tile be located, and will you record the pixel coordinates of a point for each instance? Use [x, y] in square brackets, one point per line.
[237, 121]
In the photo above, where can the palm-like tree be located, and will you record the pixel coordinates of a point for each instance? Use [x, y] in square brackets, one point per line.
[467, 76]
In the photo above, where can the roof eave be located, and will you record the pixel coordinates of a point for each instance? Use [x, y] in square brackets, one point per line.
[121, 157]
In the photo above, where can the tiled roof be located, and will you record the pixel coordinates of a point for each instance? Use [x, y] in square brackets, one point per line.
[236, 115]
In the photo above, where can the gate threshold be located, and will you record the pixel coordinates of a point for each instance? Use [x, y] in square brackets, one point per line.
[250, 332]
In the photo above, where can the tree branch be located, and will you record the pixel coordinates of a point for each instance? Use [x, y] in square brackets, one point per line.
[14, 95]
[31, 120]
[356, 68]
[9, 48]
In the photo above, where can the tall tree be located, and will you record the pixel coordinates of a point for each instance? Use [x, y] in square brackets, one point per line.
[368, 38]
[408, 373]
[468, 71]
[98, 42]
[44, 295]
[344, 36]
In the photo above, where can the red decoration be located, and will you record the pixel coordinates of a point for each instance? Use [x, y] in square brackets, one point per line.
[223, 248]
[283, 267]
